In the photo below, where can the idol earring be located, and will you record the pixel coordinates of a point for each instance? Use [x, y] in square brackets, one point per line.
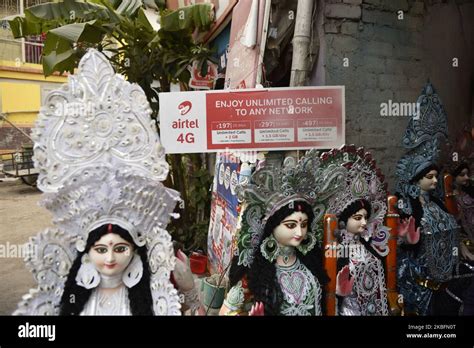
[341, 225]
[307, 244]
[270, 248]
[87, 276]
[134, 272]
[340, 230]
[366, 235]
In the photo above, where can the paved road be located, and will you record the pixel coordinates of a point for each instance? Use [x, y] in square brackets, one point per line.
[20, 218]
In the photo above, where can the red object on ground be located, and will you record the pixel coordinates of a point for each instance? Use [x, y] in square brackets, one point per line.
[198, 263]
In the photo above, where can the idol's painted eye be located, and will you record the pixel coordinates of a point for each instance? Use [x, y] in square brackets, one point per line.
[358, 217]
[290, 225]
[304, 224]
[100, 250]
[121, 249]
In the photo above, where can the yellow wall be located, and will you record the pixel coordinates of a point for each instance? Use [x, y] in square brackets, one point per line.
[20, 97]
[22, 86]
[26, 71]
[21, 100]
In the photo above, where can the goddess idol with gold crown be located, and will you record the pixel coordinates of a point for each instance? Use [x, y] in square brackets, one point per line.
[101, 167]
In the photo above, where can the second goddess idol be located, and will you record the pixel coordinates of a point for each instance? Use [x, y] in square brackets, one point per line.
[278, 269]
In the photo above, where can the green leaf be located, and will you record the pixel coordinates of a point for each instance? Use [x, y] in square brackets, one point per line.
[143, 20]
[66, 10]
[199, 16]
[58, 55]
[21, 27]
[180, 70]
[115, 17]
[77, 32]
[44, 17]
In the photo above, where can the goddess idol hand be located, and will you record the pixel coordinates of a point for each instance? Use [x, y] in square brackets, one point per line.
[182, 272]
[407, 231]
[257, 309]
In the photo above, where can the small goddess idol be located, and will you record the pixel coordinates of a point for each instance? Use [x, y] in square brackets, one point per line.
[101, 169]
[463, 189]
[358, 201]
[278, 269]
[427, 268]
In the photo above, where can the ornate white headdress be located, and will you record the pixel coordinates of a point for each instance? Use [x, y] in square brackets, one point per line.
[96, 120]
[100, 161]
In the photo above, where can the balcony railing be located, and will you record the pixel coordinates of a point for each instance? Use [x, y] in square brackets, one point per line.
[30, 49]
[12, 50]
[13, 7]
[34, 49]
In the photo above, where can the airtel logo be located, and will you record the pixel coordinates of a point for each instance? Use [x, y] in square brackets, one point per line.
[185, 107]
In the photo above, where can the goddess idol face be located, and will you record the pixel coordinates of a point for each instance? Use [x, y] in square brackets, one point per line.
[357, 223]
[463, 178]
[111, 254]
[429, 181]
[292, 230]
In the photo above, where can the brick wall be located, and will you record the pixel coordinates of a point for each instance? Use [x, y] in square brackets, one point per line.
[393, 59]
[12, 139]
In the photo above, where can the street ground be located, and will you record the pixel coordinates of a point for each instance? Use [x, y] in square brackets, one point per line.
[20, 218]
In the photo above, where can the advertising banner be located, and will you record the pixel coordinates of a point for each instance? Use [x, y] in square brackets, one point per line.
[256, 119]
[224, 213]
